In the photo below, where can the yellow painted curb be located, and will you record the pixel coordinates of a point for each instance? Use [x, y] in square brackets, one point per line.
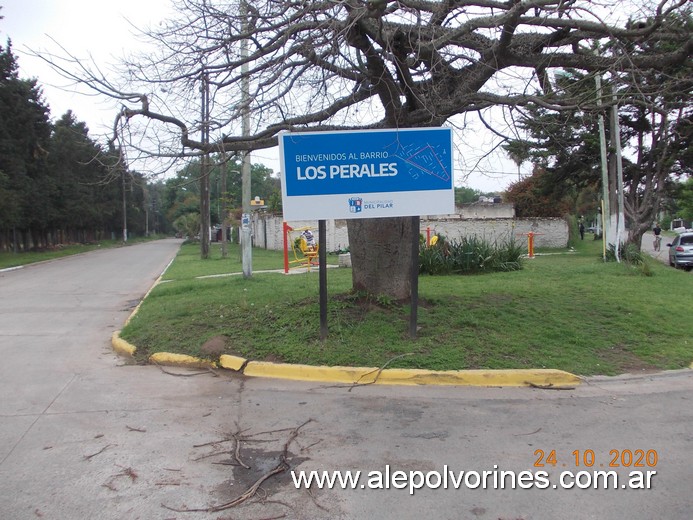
[121, 346]
[543, 378]
[546, 378]
[232, 362]
[309, 373]
[180, 360]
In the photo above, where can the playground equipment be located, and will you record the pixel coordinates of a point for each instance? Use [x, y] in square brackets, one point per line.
[431, 240]
[305, 254]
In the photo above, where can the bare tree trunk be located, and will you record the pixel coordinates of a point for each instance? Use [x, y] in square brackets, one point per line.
[381, 255]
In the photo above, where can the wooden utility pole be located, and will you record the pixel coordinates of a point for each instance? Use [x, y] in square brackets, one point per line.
[204, 170]
[125, 207]
[223, 171]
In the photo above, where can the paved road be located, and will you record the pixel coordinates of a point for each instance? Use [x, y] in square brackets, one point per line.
[663, 254]
[85, 436]
[647, 246]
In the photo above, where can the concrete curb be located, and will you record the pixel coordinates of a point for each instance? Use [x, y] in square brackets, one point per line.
[8, 269]
[399, 376]
[122, 347]
[180, 360]
[539, 378]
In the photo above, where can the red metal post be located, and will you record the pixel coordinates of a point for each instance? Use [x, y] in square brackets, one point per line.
[530, 244]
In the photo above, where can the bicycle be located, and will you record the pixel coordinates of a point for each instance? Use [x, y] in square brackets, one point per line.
[658, 243]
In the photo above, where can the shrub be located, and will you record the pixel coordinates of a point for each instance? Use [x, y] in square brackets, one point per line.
[469, 255]
[629, 253]
[188, 225]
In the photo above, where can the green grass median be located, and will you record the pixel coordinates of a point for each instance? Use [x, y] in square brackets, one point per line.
[567, 311]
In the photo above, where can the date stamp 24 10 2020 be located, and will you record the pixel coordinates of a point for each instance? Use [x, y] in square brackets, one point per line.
[587, 458]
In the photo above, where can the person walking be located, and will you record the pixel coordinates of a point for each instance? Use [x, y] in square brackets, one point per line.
[658, 239]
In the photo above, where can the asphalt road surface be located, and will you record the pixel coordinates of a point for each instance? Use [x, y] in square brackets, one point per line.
[83, 435]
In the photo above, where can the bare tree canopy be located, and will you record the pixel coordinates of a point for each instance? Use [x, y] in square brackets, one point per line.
[348, 64]
[363, 64]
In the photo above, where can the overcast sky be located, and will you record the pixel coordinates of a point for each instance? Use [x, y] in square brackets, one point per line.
[96, 28]
[103, 30]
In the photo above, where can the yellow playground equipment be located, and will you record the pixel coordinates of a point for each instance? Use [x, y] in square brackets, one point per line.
[303, 245]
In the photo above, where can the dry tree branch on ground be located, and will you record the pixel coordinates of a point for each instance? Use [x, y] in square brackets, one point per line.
[281, 466]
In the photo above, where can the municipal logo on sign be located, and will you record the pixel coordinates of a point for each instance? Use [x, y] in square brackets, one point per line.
[355, 205]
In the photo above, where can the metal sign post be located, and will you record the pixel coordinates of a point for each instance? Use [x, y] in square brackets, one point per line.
[414, 313]
[322, 265]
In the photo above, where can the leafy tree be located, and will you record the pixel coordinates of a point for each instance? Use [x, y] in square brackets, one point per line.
[655, 128]
[24, 134]
[188, 224]
[565, 144]
[466, 195]
[519, 152]
[56, 184]
[684, 199]
[182, 192]
[533, 196]
[156, 197]
[263, 182]
[659, 126]
[77, 181]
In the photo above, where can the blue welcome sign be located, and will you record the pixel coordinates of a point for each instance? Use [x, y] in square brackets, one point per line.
[366, 174]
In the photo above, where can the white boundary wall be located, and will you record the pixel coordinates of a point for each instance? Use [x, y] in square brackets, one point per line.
[550, 232]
